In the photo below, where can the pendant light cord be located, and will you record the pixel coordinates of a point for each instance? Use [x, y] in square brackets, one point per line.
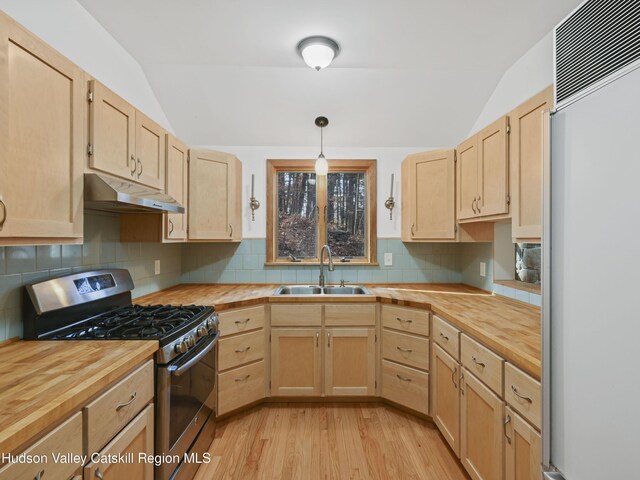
[321, 152]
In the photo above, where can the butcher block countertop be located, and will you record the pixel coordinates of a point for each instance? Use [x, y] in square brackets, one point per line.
[509, 327]
[43, 382]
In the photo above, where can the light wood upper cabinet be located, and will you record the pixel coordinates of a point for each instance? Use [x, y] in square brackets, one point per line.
[112, 133]
[136, 438]
[526, 154]
[123, 141]
[467, 178]
[350, 361]
[445, 397]
[41, 141]
[215, 205]
[150, 152]
[428, 200]
[523, 449]
[481, 437]
[482, 180]
[177, 184]
[296, 367]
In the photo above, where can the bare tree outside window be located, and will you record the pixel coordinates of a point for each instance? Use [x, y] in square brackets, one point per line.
[297, 214]
[346, 214]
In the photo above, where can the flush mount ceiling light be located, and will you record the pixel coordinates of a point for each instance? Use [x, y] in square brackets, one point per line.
[318, 52]
[322, 167]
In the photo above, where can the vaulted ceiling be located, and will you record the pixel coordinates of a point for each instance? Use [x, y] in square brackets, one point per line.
[411, 72]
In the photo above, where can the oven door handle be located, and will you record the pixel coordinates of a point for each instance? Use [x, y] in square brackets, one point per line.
[177, 371]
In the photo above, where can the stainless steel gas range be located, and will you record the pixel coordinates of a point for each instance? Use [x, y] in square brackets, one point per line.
[97, 305]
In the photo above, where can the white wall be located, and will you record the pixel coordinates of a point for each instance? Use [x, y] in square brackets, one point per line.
[254, 161]
[532, 73]
[70, 29]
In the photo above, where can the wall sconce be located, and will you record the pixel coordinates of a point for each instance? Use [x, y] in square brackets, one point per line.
[253, 203]
[390, 203]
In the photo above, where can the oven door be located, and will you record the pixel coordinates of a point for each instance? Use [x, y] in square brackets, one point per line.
[186, 397]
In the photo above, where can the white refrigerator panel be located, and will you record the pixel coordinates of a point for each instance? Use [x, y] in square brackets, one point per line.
[595, 284]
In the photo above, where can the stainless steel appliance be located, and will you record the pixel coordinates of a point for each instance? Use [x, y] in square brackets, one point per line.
[590, 319]
[97, 305]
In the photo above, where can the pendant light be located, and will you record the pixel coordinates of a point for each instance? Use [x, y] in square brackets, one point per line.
[318, 52]
[322, 166]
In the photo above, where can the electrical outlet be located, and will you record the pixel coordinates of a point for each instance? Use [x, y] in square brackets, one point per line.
[388, 259]
[483, 269]
[157, 267]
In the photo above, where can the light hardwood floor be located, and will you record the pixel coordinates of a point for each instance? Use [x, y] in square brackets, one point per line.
[329, 441]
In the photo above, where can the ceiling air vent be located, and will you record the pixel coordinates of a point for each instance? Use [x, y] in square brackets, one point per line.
[597, 43]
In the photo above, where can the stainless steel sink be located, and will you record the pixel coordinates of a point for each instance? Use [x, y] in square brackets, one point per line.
[328, 290]
[350, 290]
[299, 290]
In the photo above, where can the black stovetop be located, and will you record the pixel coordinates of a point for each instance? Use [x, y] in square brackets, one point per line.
[152, 322]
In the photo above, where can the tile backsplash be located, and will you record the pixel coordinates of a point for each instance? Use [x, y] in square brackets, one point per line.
[228, 263]
[244, 263]
[101, 249]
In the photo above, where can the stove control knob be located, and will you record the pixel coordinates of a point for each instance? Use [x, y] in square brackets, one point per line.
[212, 321]
[191, 341]
[202, 331]
[181, 347]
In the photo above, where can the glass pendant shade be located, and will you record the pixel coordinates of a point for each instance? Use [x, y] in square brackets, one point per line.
[322, 166]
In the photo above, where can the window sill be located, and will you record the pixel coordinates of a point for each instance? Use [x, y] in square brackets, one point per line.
[336, 263]
[526, 287]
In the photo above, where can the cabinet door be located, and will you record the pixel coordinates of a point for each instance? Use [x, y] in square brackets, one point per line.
[295, 361]
[493, 164]
[522, 449]
[213, 194]
[350, 361]
[135, 438]
[150, 152]
[481, 438]
[41, 139]
[525, 158]
[112, 133]
[177, 182]
[430, 184]
[467, 178]
[445, 397]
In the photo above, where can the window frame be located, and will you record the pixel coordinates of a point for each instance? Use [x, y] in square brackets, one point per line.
[368, 167]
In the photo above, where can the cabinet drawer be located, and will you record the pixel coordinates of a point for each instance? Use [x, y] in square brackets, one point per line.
[296, 315]
[240, 386]
[240, 349]
[111, 411]
[406, 349]
[482, 362]
[405, 386]
[446, 336]
[350, 315]
[409, 320]
[243, 320]
[523, 393]
[65, 439]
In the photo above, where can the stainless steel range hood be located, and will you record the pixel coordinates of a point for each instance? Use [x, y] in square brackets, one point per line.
[111, 195]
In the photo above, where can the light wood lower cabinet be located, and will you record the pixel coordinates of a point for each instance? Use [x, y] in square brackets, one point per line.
[445, 396]
[135, 439]
[240, 386]
[522, 449]
[296, 358]
[65, 439]
[481, 430]
[405, 386]
[350, 357]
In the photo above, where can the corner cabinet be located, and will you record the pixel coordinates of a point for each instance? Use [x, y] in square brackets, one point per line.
[215, 204]
[482, 180]
[41, 141]
[428, 196]
[527, 146]
[124, 142]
